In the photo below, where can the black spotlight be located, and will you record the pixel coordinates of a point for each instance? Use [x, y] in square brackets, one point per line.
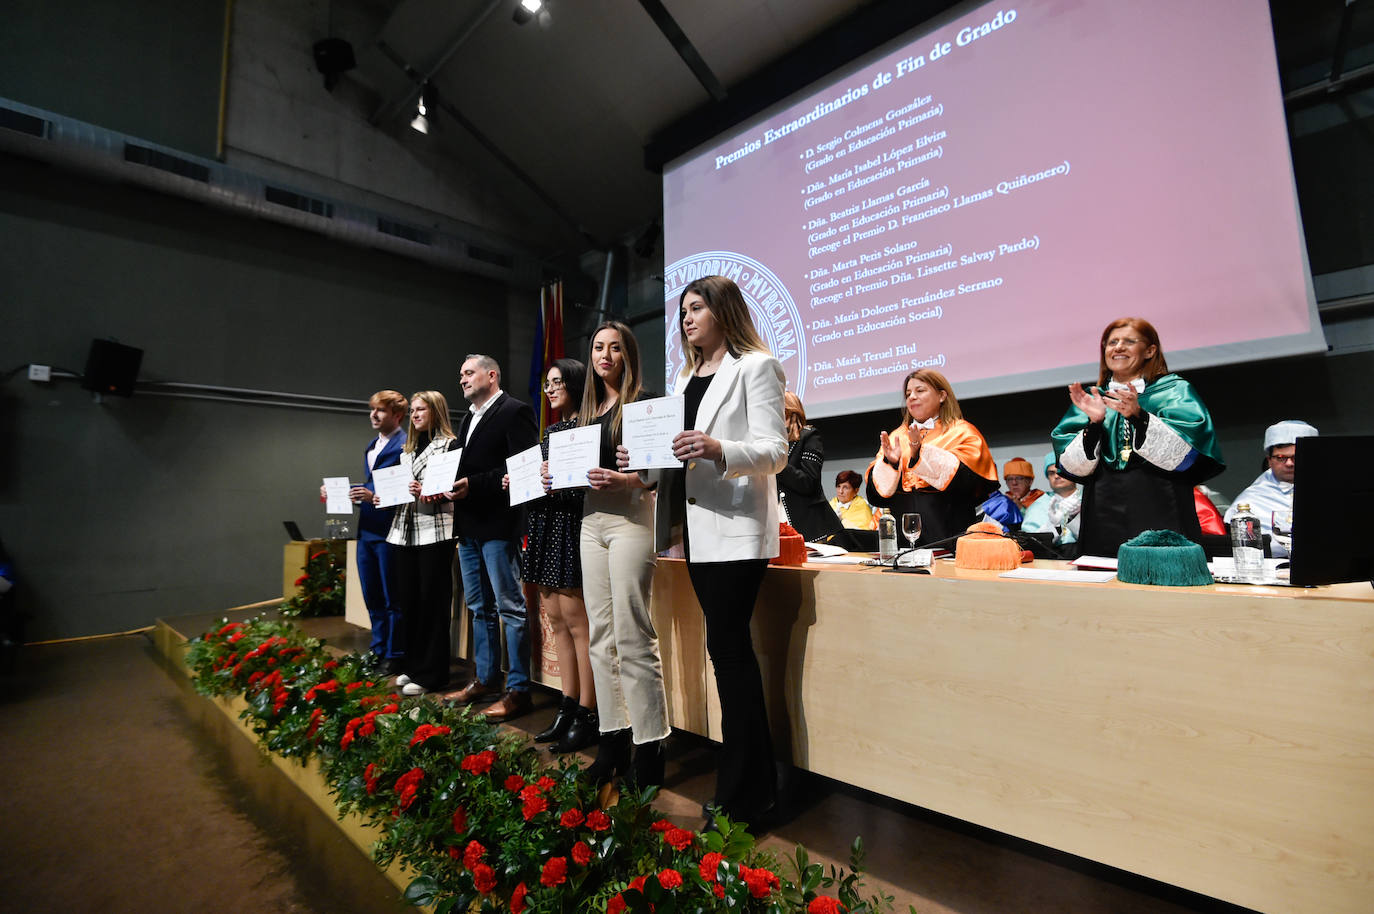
[333, 56]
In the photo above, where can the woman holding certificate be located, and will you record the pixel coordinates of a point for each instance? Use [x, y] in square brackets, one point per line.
[423, 531]
[552, 561]
[617, 576]
[726, 501]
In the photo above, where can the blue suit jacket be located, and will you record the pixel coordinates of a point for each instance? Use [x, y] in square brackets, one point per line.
[378, 520]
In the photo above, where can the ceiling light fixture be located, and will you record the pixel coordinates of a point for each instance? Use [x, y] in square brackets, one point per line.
[421, 121]
[526, 10]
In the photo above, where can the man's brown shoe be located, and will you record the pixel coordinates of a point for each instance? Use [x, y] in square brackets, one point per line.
[473, 691]
[511, 706]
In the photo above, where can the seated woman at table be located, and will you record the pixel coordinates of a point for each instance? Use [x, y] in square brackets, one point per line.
[1138, 442]
[935, 463]
[849, 506]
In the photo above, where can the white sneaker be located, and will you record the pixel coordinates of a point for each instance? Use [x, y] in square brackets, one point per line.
[413, 688]
[403, 680]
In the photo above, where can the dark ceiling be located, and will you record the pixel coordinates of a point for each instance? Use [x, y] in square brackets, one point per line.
[582, 105]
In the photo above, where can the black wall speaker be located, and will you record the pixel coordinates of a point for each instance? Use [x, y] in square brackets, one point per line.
[112, 368]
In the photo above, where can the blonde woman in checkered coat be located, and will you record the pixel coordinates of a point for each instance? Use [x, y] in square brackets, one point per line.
[422, 531]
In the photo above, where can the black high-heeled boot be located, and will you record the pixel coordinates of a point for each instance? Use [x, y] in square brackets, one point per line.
[561, 722]
[583, 732]
[647, 769]
[612, 757]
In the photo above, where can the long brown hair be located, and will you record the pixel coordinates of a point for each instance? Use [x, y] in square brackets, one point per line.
[727, 306]
[949, 408]
[793, 415]
[1154, 367]
[439, 426]
[631, 380]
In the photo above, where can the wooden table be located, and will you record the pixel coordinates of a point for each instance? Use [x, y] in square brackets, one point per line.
[1216, 738]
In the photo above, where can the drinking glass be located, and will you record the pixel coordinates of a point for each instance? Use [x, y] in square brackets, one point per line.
[911, 528]
[1282, 530]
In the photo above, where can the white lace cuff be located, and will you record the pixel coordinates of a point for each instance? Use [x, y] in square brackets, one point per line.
[937, 466]
[1076, 460]
[884, 477]
[1162, 445]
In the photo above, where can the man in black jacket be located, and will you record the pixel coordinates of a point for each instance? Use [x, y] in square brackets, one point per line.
[496, 427]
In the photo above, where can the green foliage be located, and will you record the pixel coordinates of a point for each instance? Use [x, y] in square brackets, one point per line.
[321, 587]
[483, 822]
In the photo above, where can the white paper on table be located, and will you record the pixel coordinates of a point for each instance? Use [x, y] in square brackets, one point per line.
[526, 481]
[648, 428]
[392, 485]
[572, 454]
[830, 550]
[440, 472]
[1095, 561]
[1059, 574]
[336, 500]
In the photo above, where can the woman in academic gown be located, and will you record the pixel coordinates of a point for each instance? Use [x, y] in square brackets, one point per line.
[1139, 442]
[936, 463]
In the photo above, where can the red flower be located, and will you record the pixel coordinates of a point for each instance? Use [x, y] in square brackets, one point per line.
[300, 580]
[615, 904]
[236, 637]
[679, 838]
[555, 872]
[598, 820]
[760, 881]
[483, 878]
[460, 820]
[581, 853]
[719, 890]
[331, 664]
[517, 899]
[371, 776]
[229, 628]
[407, 785]
[480, 763]
[710, 865]
[637, 883]
[473, 854]
[515, 783]
[546, 783]
[529, 793]
[316, 716]
[534, 806]
[571, 818]
[455, 853]
[670, 879]
[823, 905]
[425, 731]
[662, 825]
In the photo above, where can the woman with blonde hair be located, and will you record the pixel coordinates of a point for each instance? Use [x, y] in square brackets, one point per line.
[723, 504]
[617, 550]
[935, 463]
[422, 531]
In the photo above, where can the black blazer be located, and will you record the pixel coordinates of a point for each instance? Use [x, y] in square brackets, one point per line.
[508, 428]
[801, 489]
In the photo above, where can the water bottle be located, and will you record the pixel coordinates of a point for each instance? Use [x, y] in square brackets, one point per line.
[887, 536]
[1247, 548]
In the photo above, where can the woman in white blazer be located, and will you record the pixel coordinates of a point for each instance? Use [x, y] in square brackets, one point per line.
[725, 503]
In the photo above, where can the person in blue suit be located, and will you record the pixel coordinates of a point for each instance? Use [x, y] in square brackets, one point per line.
[387, 411]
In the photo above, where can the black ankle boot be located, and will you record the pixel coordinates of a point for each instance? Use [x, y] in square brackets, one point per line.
[647, 770]
[612, 757]
[582, 733]
[561, 721]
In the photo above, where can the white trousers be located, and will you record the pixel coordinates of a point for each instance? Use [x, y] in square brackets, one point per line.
[617, 580]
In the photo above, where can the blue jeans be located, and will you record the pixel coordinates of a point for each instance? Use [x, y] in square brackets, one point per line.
[492, 591]
[376, 577]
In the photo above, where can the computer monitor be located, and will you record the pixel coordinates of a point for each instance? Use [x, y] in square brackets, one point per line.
[1333, 500]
